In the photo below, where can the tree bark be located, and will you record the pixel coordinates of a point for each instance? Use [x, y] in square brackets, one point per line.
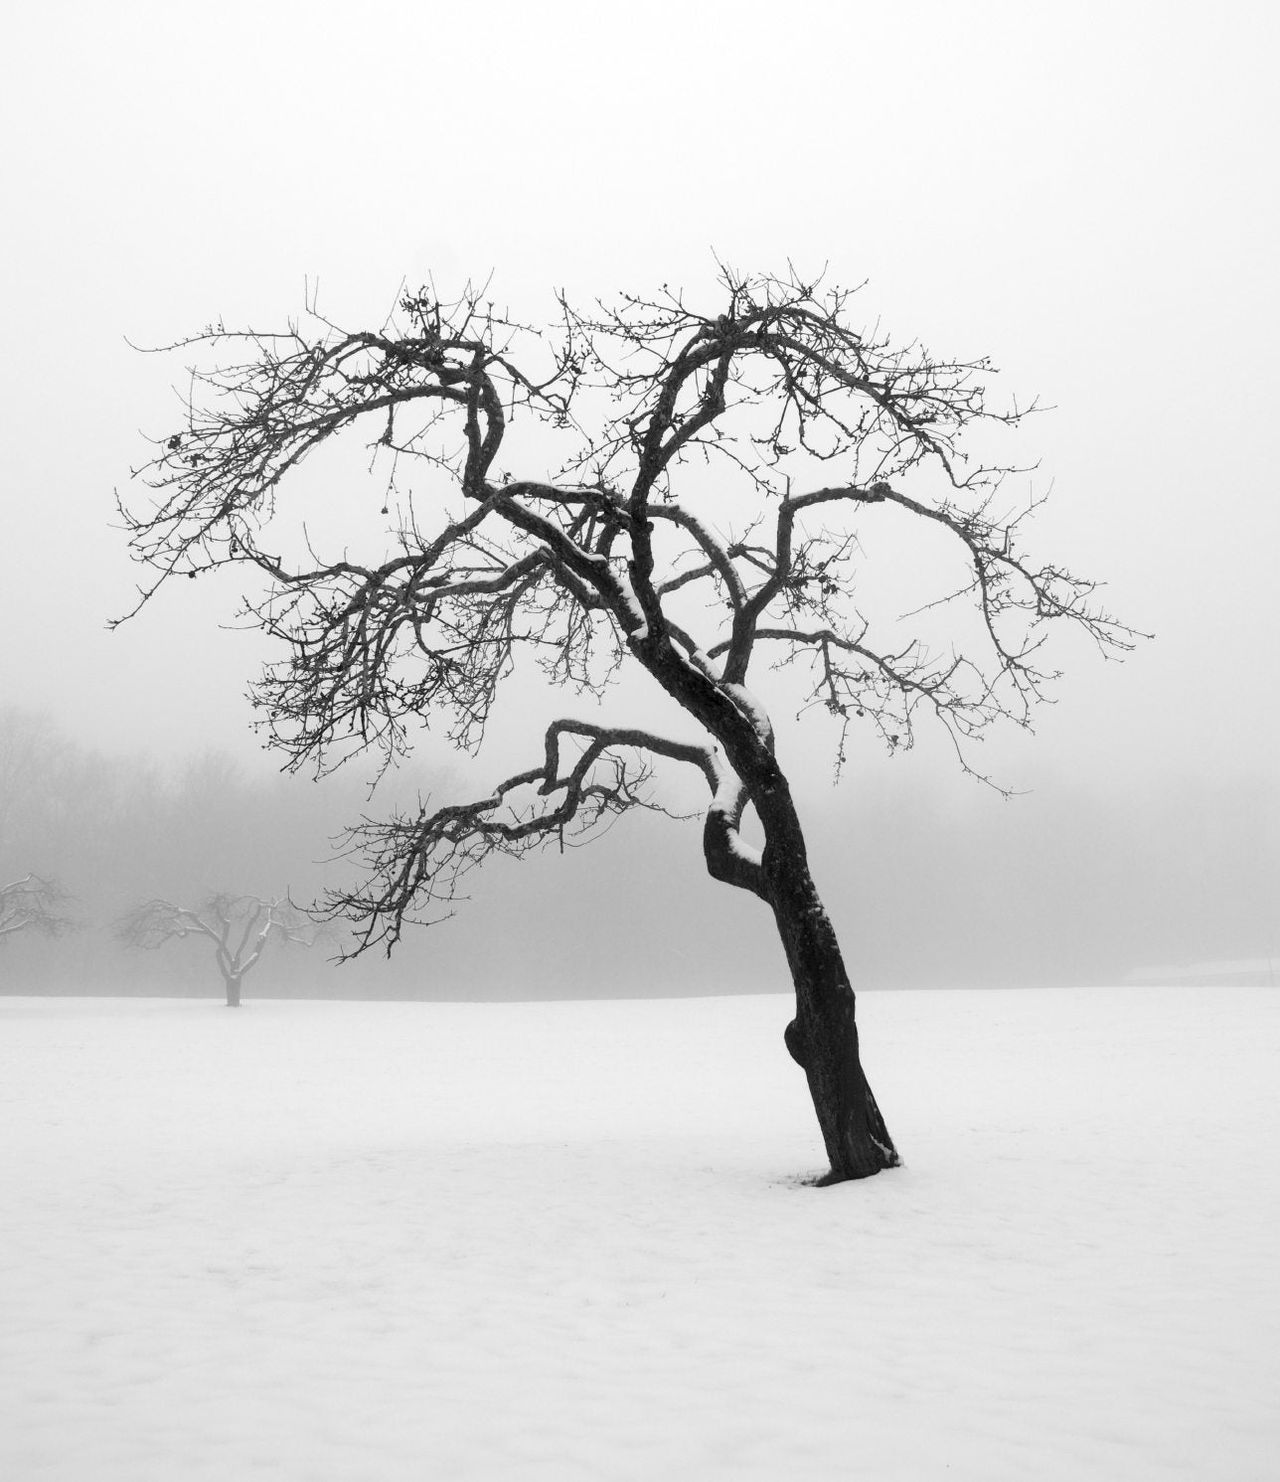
[823, 1037]
[233, 993]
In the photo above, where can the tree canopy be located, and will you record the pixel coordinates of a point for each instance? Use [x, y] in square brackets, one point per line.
[605, 559]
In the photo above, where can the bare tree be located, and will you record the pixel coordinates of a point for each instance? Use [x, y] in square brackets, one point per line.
[33, 903]
[239, 926]
[718, 477]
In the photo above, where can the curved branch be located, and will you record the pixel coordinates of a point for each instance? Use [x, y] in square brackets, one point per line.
[604, 737]
[717, 556]
[729, 859]
[412, 861]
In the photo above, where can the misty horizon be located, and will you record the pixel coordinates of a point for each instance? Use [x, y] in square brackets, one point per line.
[1174, 880]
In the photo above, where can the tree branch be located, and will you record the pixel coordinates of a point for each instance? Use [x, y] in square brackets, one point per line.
[33, 903]
[425, 857]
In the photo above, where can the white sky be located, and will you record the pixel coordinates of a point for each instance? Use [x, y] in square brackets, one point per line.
[1086, 193]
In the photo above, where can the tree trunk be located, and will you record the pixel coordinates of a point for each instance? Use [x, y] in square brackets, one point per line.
[823, 1036]
[233, 993]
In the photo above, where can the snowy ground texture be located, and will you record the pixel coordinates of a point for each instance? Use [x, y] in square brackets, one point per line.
[568, 1240]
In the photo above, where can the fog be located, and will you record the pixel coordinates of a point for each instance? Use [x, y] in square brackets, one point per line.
[928, 885]
[1083, 195]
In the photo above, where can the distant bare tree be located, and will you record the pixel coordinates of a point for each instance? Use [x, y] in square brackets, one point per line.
[33, 903]
[720, 478]
[239, 926]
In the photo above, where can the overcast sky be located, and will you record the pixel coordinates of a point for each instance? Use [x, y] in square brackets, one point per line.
[1085, 193]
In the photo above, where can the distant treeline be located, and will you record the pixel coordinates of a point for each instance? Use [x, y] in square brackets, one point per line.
[931, 880]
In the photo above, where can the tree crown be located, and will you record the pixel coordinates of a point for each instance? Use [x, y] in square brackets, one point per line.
[714, 479]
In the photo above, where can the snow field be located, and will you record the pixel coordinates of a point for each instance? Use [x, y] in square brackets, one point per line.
[569, 1240]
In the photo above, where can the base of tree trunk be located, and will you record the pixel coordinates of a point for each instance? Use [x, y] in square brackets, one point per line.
[853, 1131]
[832, 1177]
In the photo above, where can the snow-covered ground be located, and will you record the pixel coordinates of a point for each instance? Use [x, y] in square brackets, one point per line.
[570, 1240]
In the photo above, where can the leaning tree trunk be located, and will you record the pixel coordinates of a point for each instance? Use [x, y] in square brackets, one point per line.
[823, 1036]
[233, 992]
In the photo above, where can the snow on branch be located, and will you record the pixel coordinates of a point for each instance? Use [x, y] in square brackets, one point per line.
[239, 926]
[589, 776]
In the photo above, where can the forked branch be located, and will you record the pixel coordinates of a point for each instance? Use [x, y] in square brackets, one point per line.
[590, 774]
